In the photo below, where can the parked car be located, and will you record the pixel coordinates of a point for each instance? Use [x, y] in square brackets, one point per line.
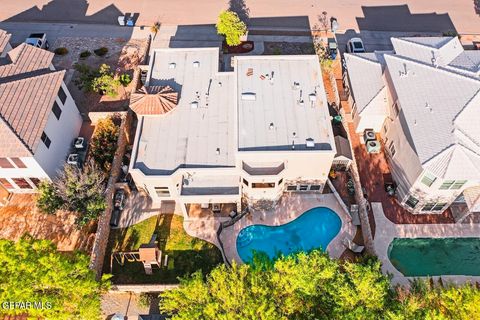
[355, 45]
[38, 40]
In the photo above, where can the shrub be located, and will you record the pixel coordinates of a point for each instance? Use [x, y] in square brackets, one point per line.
[61, 51]
[104, 143]
[85, 54]
[47, 200]
[101, 51]
[101, 80]
[230, 25]
[125, 79]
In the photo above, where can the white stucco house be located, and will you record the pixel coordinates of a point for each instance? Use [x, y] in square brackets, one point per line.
[209, 140]
[424, 100]
[38, 118]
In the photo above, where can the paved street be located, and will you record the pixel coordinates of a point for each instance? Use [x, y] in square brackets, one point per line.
[384, 15]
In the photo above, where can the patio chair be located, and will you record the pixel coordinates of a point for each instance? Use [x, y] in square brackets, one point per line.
[353, 246]
[354, 214]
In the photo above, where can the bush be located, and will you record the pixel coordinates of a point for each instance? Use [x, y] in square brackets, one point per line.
[104, 143]
[125, 79]
[85, 54]
[230, 25]
[101, 80]
[61, 51]
[47, 200]
[101, 51]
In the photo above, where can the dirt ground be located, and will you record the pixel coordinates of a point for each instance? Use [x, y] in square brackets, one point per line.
[21, 216]
[122, 57]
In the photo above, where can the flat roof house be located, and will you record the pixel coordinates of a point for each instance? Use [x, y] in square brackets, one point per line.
[208, 139]
[38, 118]
[424, 100]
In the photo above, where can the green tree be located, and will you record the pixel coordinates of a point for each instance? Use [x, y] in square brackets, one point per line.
[104, 143]
[104, 82]
[33, 270]
[48, 200]
[230, 26]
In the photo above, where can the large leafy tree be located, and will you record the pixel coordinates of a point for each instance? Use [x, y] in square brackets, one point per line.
[230, 25]
[34, 271]
[313, 286]
[75, 189]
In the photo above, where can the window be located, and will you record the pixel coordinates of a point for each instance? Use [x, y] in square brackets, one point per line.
[263, 185]
[314, 187]
[62, 95]
[4, 163]
[439, 206]
[280, 181]
[411, 202]
[303, 187]
[56, 110]
[18, 162]
[35, 181]
[6, 184]
[428, 206]
[428, 179]
[452, 184]
[22, 183]
[391, 149]
[46, 140]
[162, 192]
[291, 188]
[245, 182]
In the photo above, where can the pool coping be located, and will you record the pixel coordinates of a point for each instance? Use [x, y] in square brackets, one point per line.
[386, 231]
[284, 213]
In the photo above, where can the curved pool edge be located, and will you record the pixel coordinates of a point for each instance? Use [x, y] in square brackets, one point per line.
[285, 215]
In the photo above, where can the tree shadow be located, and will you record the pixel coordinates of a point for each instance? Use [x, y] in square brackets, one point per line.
[162, 230]
[69, 11]
[240, 8]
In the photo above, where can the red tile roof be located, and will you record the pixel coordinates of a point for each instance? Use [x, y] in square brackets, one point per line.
[27, 92]
[153, 100]
[4, 38]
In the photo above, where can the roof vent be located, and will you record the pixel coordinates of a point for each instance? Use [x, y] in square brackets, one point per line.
[217, 151]
[296, 85]
[312, 97]
[271, 126]
[251, 96]
[196, 64]
[310, 143]
[194, 104]
[172, 65]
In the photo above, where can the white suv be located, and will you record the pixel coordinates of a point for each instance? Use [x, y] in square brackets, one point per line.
[355, 45]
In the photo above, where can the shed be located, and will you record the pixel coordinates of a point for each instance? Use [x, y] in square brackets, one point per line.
[343, 158]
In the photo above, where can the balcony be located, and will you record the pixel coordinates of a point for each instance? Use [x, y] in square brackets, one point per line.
[203, 186]
[265, 169]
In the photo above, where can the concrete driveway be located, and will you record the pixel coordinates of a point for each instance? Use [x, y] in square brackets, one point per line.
[379, 15]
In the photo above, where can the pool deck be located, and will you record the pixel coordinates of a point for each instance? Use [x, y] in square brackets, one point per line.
[290, 207]
[386, 231]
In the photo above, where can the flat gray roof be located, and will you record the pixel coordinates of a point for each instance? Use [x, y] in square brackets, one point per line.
[186, 136]
[270, 113]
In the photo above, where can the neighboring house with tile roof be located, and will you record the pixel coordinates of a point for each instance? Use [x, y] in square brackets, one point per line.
[212, 138]
[431, 129]
[38, 118]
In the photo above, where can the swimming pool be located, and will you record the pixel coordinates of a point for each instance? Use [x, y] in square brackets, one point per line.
[416, 257]
[315, 228]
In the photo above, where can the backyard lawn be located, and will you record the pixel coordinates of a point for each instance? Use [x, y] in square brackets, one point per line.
[186, 254]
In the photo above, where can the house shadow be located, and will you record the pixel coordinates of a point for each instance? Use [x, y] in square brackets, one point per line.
[69, 11]
[399, 18]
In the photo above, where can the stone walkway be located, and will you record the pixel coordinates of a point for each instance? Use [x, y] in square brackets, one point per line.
[386, 231]
[290, 207]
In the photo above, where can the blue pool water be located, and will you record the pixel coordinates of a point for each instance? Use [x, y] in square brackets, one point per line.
[315, 228]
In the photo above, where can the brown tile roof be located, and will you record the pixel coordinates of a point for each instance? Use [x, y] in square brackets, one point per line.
[27, 93]
[153, 100]
[4, 38]
[25, 58]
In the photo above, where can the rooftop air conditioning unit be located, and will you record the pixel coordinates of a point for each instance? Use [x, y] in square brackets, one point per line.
[310, 143]
[194, 105]
[373, 146]
[196, 64]
[368, 135]
[172, 65]
[250, 96]
[312, 97]
[79, 143]
[73, 159]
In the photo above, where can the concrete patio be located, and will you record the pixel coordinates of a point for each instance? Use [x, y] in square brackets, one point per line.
[386, 231]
